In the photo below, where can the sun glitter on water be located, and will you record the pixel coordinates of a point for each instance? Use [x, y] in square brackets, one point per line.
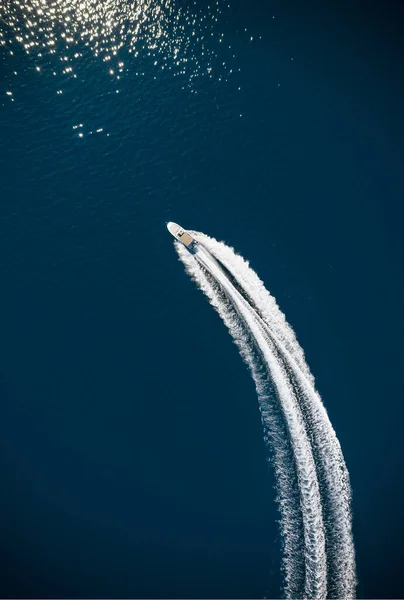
[178, 38]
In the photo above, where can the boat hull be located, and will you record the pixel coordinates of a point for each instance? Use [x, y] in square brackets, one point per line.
[182, 236]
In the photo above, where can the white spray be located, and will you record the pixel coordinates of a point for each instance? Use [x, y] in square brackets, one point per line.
[320, 501]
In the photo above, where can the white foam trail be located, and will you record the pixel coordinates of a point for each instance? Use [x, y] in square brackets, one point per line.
[333, 474]
[310, 501]
[310, 430]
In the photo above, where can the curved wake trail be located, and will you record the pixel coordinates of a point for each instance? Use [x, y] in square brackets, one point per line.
[331, 468]
[313, 490]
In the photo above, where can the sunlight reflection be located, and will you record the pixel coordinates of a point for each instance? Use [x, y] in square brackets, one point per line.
[177, 38]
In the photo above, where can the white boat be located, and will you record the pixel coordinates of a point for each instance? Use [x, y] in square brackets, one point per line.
[182, 236]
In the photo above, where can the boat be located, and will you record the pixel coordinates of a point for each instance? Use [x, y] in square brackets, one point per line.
[183, 236]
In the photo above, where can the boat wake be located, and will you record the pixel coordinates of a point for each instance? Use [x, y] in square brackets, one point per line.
[313, 489]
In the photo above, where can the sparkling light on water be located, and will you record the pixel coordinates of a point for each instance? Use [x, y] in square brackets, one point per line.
[177, 38]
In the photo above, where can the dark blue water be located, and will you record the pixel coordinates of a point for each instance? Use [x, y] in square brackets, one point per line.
[131, 448]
